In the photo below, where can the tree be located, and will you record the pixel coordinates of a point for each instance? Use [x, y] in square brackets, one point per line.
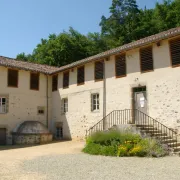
[125, 24]
[122, 22]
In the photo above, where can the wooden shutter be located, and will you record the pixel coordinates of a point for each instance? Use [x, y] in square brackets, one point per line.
[55, 83]
[146, 56]
[80, 75]
[12, 78]
[34, 81]
[175, 52]
[99, 70]
[66, 79]
[120, 65]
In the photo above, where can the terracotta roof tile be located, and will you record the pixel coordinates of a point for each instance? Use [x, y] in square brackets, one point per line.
[9, 62]
[136, 44]
[13, 63]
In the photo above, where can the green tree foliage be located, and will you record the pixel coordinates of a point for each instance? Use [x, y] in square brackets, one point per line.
[126, 23]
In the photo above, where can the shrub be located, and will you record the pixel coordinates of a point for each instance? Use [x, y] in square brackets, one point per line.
[108, 150]
[114, 143]
[122, 151]
[93, 149]
[112, 138]
[153, 148]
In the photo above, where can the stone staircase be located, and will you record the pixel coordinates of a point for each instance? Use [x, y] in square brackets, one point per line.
[141, 122]
[149, 130]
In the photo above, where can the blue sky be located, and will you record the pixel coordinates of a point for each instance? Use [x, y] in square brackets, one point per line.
[25, 22]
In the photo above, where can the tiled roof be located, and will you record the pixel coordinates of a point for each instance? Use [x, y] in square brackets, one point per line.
[13, 63]
[136, 44]
[8, 62]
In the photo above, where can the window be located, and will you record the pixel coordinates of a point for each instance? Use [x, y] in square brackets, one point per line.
[55, 83]
[64, 105]
[3, 105]
[94, 102]
[66, 79]
[175, 52]
[99, 70]
[120, 65]
[59, 132]
[80, 75]
[12, 78]
[41, 110]
[146, 56]
[34, 81]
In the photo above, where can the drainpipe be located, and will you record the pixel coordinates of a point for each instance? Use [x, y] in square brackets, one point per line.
[47, 102]
[104, 96]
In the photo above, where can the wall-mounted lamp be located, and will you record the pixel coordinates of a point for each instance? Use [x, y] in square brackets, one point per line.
[158, 44]
[107, 58]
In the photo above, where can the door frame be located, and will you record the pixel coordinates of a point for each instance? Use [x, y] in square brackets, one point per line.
[133, 100]
[5, 135]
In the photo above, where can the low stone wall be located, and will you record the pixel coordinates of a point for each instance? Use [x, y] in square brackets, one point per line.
[20, 139]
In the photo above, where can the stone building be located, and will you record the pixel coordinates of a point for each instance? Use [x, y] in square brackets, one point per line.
[141, 75]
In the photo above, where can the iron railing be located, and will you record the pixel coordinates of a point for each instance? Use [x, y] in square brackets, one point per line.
[133, 116]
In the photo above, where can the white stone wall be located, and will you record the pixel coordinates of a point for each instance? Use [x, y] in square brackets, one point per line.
[23, 102]
[79, 116]
[163, 87]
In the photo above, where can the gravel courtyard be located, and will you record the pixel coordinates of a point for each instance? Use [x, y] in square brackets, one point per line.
[64, 161]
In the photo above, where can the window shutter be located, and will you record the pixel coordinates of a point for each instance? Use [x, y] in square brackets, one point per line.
[175, 51]
[34, 81]
[80, 75]
[146, 56]
[91, 102]
[121, 65]
[62, 106]
[55, 83]
[12, 78]
[7, 104]
[99, 70]
[66, 79]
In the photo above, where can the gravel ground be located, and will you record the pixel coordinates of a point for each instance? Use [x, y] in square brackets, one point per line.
[65, 161]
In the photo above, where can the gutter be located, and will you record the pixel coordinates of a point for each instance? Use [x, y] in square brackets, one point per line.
[104, 96]
[47, 102]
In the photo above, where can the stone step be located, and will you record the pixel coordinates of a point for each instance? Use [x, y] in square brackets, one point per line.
[151, 131]
[159, 134]
[174, 144]
[177, 149]
[140, 125]
[170, 140]
[164, 137]
[148, 128]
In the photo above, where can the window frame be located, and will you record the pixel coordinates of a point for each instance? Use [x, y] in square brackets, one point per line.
[171, 60]
[146, 71]
[54, 89]
[17, 83]
[59, 132]
[125, 66]
[64, 106]
[97, 80]
[82, 83]
[66, 72]
[1, 105]
[41, 110]
[97, 103]
[38, 81]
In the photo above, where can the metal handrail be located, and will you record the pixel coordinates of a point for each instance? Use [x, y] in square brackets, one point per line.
[134, 116]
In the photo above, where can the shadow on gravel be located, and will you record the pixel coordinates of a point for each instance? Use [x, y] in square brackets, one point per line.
[9, 147]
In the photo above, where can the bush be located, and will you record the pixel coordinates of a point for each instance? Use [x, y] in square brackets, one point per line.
[114, 143]
[108, 150]
[112, 138]
[93, 149]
